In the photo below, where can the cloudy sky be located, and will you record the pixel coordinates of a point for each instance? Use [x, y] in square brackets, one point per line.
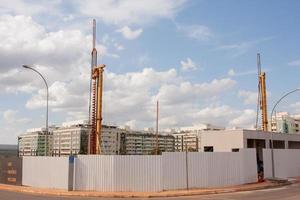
[198, 58]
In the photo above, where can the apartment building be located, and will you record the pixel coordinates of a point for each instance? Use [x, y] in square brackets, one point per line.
[145, 143]
[71, 139]
[111, 140]
[189, 138]
[36, 142]
[283, 122]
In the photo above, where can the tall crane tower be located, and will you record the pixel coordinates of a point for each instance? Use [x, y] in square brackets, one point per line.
[262, 97]
[95, 105]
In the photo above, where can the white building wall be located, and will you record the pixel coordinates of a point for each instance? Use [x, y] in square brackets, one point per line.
[222, 141]
[286, 162]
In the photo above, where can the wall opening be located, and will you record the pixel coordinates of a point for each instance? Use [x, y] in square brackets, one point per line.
[208, 149]
[278, 144]
[294, 145]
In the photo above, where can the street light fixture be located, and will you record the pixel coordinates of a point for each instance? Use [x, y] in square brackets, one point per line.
[272, 143]
[47, 100]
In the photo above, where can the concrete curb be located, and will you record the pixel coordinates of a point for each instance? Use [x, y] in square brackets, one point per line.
[176, 193]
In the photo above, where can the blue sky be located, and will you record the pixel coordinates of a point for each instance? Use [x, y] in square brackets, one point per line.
[198, 58]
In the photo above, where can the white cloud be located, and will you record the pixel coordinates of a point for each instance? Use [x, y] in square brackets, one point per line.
[248, 96]
[130, 98]
[294, 63]
[198, 32]
[188, 65]
[129, 33]
[11, 117]
[185, 91]
[118, 46]
[123, 12]
[296, 107]
[232, 72]
[241, 48]
[23, 7]
[246, 119]
[225, 115]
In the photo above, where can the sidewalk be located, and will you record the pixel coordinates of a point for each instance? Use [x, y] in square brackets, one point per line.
[173, 193]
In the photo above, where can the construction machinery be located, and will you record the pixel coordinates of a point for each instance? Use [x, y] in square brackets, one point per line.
[262, 97]
[95, 103]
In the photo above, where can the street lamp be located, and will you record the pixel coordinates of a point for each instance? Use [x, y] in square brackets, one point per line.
[272, 143]
[47, 100]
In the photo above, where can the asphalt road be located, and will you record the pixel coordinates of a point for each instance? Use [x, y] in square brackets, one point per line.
[291, 192]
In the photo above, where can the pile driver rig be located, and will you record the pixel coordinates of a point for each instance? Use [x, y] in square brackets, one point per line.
[95, 103]
[262, 97]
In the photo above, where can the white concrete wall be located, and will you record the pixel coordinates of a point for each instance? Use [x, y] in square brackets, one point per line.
[46, 172]
[222, 141]
[286, 163]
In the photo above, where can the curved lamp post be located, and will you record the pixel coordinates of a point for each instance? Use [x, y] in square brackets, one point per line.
[47, 100]
[272, 152]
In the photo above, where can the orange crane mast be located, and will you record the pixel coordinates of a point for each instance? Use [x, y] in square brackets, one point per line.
[95, 107]
[262, 96]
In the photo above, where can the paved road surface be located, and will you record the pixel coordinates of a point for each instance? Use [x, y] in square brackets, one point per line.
[291, 192]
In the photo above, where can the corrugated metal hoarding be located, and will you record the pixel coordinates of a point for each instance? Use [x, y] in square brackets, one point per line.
[118, 173]
[167, 172]
[209, 169]
[145, 173]
[47, 172]
[286, 162]
[11, 170]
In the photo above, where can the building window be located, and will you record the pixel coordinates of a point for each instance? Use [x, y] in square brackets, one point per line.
[235, 150]
[208, 149]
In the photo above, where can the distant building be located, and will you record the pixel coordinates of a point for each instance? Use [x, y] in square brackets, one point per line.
[284, 123]
[71, 139]
[124, 141]
[190, 137]
[144, 143]
[36, 142]
[8, 150]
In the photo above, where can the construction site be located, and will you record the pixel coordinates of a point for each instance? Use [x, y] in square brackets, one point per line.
[91, 156]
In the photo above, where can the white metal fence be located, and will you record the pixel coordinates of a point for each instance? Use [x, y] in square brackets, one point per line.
[204, 170]
[167, 172]
[286, 163]
[144, 173]
[118, 173]
[46, 172]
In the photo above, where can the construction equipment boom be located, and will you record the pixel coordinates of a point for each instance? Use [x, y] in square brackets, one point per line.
[262, 97]
[95, 107]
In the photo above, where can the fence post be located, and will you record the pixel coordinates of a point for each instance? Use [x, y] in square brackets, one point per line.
[71, 173]
[186, 167]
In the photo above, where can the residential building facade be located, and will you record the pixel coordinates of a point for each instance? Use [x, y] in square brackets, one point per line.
[145, 143]
[283, 122]
[189, 138]
[71, 139]
[35, 142]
